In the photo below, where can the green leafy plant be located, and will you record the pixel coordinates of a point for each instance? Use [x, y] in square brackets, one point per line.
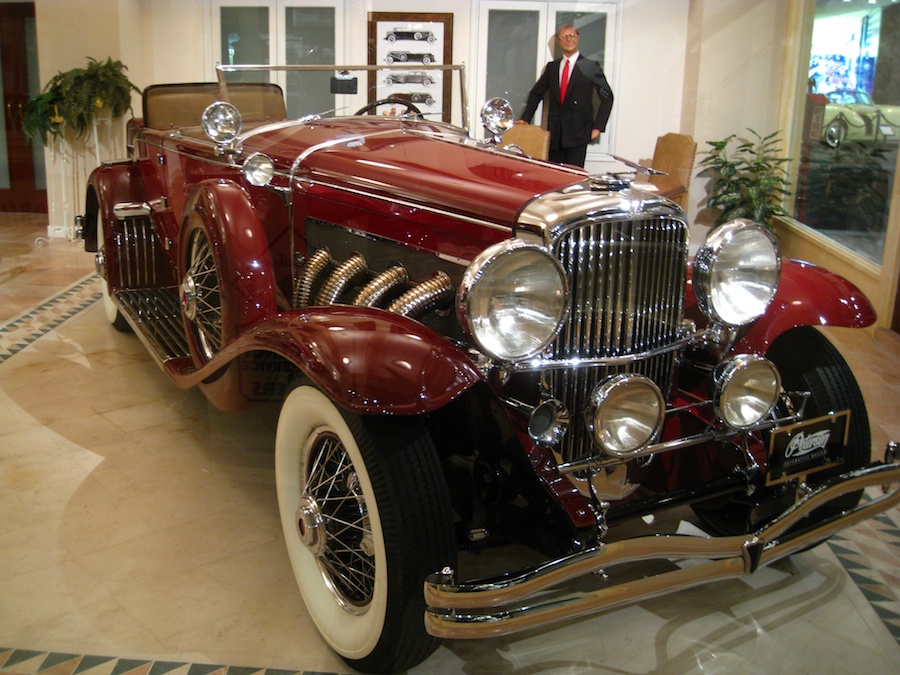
[749, 177]
[41, 116]
[76, 95]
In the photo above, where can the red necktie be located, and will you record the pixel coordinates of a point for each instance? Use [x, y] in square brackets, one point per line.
[564, 82]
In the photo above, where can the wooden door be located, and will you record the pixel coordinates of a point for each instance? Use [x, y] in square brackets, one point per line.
[22, 171]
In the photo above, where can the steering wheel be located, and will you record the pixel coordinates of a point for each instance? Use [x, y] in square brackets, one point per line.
[389, 101]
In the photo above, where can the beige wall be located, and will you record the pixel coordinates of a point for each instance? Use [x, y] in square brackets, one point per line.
[736, 56]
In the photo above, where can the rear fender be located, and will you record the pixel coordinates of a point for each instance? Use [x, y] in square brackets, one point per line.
[108, 185]
[808, 296]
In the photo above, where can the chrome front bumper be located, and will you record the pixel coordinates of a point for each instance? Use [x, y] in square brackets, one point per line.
[525, 600]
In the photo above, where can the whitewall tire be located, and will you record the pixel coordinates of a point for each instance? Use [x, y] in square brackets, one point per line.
[366, 516]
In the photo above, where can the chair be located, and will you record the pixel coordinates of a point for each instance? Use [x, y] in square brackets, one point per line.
[674, 154]
[534, 141]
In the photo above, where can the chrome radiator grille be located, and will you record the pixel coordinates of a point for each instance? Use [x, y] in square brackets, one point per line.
[626, 278]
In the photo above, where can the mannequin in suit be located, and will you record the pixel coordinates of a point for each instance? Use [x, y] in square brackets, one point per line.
[571, 121]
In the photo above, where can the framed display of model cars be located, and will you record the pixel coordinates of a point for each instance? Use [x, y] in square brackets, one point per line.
[423, 40]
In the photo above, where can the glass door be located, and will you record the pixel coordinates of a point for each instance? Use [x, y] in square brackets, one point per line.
[510, 38]
[516, 41]
[264, 32]
[23, 183]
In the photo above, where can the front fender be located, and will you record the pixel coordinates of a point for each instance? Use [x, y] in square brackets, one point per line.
[241, 251]
[371, 361]
[366, 360]
[808, 296]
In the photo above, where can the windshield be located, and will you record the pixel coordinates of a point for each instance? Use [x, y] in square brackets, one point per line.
[410, 84]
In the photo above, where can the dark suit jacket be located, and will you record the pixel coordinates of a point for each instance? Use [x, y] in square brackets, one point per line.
[570, 122]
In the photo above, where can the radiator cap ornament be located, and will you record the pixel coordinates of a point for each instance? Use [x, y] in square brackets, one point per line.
[609, 182]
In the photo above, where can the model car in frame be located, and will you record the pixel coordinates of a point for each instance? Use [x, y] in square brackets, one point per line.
[403, 57]
[410, 34]
[409, 78]
[474, 350]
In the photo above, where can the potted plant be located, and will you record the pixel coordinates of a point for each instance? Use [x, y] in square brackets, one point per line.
[750, 180]
[75, 96]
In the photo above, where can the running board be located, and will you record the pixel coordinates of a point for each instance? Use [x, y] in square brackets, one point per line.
[155, 316]
[521, 601]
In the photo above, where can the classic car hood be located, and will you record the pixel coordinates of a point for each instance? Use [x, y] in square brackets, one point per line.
[421, 162]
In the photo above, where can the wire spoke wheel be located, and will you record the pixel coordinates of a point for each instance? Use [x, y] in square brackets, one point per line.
[347, 559]
[201, 295]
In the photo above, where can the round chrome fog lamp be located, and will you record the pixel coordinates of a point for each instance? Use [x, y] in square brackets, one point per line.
[512, 300]
[548, 423]
[736, 272]
[259, 169]
[221, 122]
[625, 414]
[745, 390]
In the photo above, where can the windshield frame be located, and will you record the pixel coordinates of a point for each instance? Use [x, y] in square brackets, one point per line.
[223, 69]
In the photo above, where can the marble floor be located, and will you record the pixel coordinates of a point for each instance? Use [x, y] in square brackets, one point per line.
[139, 529]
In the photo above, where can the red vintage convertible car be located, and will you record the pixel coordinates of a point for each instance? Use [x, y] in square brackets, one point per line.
[477, 350]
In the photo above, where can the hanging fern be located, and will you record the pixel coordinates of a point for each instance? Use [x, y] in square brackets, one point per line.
[41, 117]
[78, 94]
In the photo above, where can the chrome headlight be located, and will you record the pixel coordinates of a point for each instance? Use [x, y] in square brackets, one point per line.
[259, 169]
[222, 122]
[736, 272]
[625, 414]
[512, 300]
[745, 390]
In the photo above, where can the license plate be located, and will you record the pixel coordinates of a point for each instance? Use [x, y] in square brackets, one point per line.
[808, 446]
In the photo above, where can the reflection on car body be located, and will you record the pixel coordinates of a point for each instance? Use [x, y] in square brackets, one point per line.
[480, 350]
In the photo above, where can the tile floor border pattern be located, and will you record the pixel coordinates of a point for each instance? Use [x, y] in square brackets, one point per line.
[868, 551]
[20, 331]
[29, 662]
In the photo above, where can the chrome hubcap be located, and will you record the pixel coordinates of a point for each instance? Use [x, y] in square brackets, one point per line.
[189, 297]
[311, 526]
